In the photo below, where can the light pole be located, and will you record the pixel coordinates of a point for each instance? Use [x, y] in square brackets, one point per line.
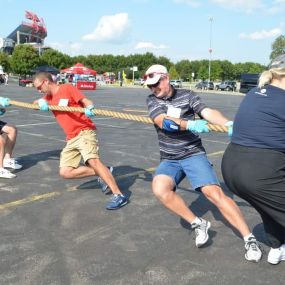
[210, 48]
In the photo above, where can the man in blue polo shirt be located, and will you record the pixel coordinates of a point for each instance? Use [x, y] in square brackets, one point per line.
[183, 155]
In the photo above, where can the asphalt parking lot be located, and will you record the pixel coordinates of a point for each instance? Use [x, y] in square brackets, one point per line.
[56, 231]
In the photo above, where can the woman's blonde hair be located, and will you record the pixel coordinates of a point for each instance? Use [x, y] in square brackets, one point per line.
[267, 76]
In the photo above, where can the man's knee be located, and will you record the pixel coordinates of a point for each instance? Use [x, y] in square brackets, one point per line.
[214, 193]
[10, 129]
[65, 172]
[95, 163]
[162, 186]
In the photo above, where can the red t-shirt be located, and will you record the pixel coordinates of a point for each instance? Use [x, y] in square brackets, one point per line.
[71, 122]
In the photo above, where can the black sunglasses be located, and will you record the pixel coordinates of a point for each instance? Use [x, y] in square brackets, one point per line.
[154, 85]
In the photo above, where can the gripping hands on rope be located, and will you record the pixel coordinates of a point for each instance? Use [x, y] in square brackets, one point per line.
[88, 111]
[229, 124]
[43, 105]
[4, 102]
[199, 126]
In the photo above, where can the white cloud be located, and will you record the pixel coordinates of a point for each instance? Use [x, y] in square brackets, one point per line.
[261, 34]
[193, 3]
[68, 48]
[75, 46]
[112, 28]
[242, 5]
[276, 8]
[149, 45]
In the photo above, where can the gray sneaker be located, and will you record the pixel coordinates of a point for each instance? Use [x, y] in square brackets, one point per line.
[201, 232]
[253, 251]
[101, 182]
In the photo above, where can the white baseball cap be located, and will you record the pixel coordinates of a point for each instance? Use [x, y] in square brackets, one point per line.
[153, 74]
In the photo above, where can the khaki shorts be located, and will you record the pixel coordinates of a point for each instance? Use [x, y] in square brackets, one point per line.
[84, 146]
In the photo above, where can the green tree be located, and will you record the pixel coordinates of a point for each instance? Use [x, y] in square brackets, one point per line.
[80, 59]
[4, 61]
[164, 61]
[55, 58]
[203, 70]
[227, 70]
[173, 73]
[278, 47]
[24, 59]
[216, 70]
[238, 70]
[185, 69]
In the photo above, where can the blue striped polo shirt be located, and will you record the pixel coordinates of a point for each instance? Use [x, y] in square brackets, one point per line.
[182, 144]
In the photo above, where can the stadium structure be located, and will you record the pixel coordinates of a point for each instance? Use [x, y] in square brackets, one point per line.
[33, 32]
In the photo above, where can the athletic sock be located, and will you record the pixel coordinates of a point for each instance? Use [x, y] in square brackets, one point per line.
[250, 236]
[197, 221]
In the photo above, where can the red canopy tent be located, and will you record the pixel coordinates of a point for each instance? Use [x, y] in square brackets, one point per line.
[79, 68]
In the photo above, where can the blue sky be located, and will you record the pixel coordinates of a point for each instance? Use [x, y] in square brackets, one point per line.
[241, 30]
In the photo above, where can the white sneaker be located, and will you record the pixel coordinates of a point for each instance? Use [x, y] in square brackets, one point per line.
[276, 255]
[4, 173]
[11, 163]
[253, 251]
[201, 232]
[103, 185]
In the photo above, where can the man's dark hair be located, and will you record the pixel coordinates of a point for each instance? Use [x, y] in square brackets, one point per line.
[43, 76]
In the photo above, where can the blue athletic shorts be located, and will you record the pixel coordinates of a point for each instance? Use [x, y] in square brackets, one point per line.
[198, 169]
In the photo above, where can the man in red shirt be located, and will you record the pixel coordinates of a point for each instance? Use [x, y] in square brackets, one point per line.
[80, 133]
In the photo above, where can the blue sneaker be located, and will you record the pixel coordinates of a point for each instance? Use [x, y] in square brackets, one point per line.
[117, 201]
[101, 182]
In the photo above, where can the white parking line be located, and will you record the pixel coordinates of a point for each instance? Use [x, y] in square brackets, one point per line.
[37, 124]
[221, 142]
[42, 136]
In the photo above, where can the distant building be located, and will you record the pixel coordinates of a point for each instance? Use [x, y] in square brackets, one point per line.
[7, 45]
[33, 32]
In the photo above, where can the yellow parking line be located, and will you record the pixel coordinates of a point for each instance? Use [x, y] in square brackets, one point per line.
[216, 153]
[29, 200]
[75, 188]
[151, 169]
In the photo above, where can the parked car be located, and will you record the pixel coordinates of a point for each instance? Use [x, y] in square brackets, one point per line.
[227, 85]
[138, 82]
[205, 85]
[176, 83]
[25, 80]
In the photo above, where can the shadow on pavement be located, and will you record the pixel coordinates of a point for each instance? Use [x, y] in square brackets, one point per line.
[125, 177]
[201, 205]
[32, 159]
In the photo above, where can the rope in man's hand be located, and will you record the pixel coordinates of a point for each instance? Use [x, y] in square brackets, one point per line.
[106, 113]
